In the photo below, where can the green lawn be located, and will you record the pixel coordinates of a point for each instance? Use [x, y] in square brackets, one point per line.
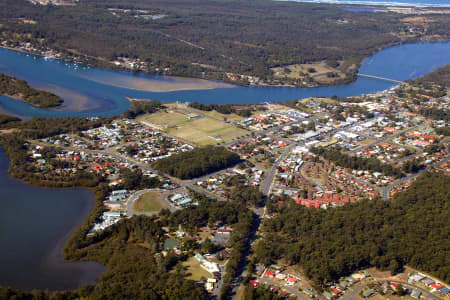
[194, 270]
[148, 202]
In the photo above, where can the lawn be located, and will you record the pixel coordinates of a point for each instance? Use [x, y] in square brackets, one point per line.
[148, 202]
[195, 271]
[366, 142]
[200, 131]
[206, 131]
[165, 119]
[326, 144]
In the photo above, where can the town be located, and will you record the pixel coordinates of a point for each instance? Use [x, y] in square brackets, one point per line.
[318, 153]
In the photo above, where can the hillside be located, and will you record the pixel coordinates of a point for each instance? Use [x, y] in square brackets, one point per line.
[191, 37]
[413, 229]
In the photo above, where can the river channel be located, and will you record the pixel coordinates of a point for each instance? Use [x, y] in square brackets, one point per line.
[99, 92]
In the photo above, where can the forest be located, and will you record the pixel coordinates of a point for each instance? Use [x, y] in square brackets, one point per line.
[208, 38]
[225, 109]
[198, 162]
[356, 163]
[138, 108]
[440, 76]
[5, 119]
[411, 229]
[17, 88]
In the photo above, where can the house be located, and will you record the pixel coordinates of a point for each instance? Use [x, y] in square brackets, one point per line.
[367, 293]
[335, 291]
[436, 286]
[428, 281]
[394, 285]
[269, 273]
[120, 192]
[311, 293]
[415, 294]
[327, 295]
[445, 291]
[291, 280]
[112, 214]
[176, 197]
[254, 283]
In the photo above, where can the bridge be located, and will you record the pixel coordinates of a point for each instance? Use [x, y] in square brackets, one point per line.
[380, 78]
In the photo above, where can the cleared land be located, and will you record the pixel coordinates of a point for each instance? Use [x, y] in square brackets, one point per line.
[302, 71]
[148, 202]
[195, 271]
[201, 131]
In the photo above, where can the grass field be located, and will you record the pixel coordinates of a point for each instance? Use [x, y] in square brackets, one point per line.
[201, 131]
[294, 71]
[195, 270]
[326, 144]
[148, 202]
[366, 142]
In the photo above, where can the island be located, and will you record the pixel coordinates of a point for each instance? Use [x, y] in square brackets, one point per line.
[20, 90]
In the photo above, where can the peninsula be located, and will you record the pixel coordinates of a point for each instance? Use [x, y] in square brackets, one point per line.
[20, 90]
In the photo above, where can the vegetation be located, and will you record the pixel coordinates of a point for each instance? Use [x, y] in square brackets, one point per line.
[198, 162]
[436, 113]
[331, 243]
[356, 163]
[131, 250]
[19, 89]
[244, 194]
[443, 130]
[148, 202]
[5, 119]
[225, 109]
[252, 293]
[142, 107]
[15, 148]
[440, 76]
[192, 37]
[195, 270]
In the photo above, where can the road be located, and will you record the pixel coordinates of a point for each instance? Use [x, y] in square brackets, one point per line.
[384, 139]
[268, 180]
[291, 290]
[355, 293]
[138, 194]
[385, 191]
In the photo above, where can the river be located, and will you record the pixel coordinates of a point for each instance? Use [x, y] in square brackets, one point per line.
[99, 92]
[35, 223]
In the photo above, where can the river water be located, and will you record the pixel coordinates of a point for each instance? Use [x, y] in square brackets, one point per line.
[35, 223]
[99, 92]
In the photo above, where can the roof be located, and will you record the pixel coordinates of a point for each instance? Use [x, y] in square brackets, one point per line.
[415, 294]
[368, 293]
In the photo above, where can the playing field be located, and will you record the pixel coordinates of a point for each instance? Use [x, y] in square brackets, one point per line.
[195, 270]
[200, 131]
[148, 202]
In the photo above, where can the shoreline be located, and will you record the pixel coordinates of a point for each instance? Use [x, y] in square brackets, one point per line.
[162, 84]
[157, 85]
[70, 274]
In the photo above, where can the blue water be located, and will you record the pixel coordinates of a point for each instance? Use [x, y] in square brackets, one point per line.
[407, 3]
[400, 63]
[34, 225]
